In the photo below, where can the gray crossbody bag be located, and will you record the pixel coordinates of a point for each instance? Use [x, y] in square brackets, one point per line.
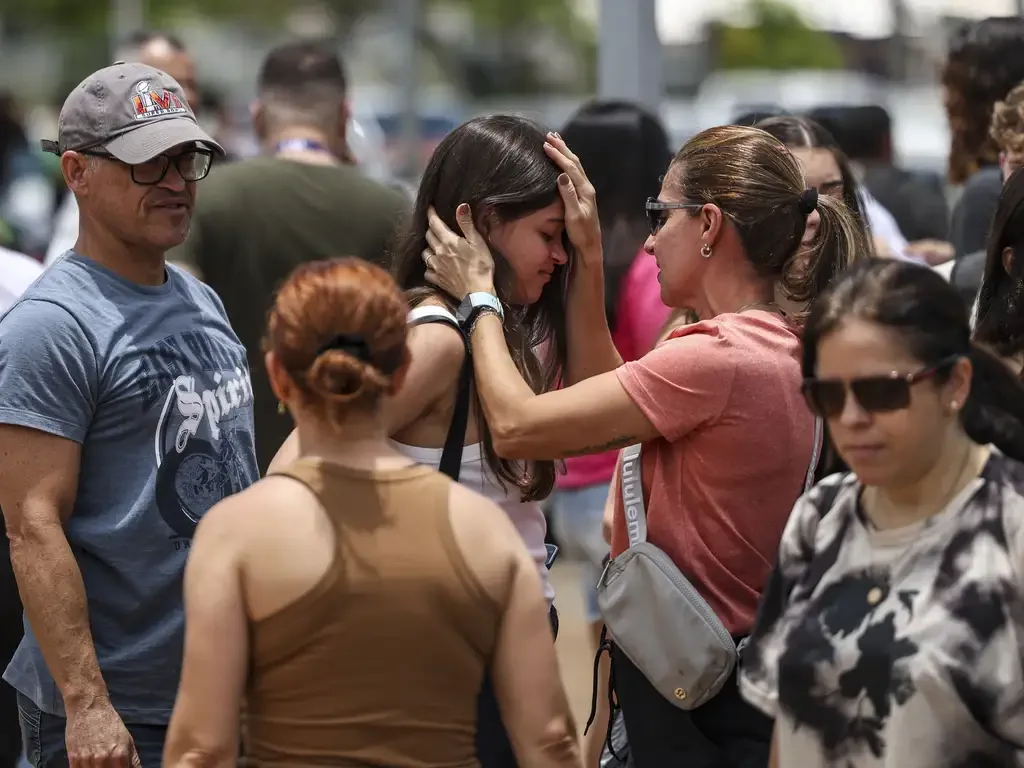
[655, 615]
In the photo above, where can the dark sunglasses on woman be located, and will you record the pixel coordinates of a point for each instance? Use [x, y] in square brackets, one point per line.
[874, 394]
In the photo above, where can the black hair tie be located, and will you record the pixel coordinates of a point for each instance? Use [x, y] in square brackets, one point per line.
[808, 201]
[351, 343]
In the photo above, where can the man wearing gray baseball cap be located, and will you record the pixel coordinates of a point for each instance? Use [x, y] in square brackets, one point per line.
[125, 414]
[131, 111]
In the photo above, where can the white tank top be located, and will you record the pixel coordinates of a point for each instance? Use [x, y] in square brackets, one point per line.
[527, 516]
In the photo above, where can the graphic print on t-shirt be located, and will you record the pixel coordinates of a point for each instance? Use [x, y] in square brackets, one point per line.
[896, 648]
[202, 442]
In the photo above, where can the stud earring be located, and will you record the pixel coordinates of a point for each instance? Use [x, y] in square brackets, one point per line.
[954, 406]
[282, 409]
[705, 251]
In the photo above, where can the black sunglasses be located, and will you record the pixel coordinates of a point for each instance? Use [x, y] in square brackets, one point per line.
[657, 212]
[193, 165]
[875, 394]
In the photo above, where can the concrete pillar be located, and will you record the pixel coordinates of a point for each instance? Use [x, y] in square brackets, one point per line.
[629, 56]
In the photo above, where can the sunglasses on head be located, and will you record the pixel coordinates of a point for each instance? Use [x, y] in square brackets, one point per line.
[658, 212]
[874, 394]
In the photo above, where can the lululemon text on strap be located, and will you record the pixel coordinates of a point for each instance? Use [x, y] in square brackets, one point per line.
[633, 507]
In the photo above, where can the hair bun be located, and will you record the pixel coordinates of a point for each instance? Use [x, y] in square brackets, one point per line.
[339, 377]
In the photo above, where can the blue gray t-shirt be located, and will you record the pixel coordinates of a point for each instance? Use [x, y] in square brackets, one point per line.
[154, 385]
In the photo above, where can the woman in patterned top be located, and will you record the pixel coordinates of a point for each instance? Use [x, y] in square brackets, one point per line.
[890, 633]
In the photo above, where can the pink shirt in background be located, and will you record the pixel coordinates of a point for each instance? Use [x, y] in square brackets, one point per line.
[640, 317]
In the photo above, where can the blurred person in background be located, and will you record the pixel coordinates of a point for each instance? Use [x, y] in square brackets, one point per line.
[917, 201]
[354, 599]
[825, 168]
[27, 196]
[1006, 129]
[998, 313]
[889, 635]
[17, 273]
[984, 62]
[625, 151]
[829, 170]
[301, 200]
[160, 50]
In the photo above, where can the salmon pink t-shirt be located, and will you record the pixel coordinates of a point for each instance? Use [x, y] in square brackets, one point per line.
[640, 315]
[736, 442]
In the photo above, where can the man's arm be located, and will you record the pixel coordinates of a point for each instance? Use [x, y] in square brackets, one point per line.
[49, 386]
[38, 482]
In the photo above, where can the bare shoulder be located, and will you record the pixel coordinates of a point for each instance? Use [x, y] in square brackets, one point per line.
[443, 343]
[489, 542]
[276, 506]
[438, 338]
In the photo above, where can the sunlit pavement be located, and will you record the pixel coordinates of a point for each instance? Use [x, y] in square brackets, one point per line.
[574, 655]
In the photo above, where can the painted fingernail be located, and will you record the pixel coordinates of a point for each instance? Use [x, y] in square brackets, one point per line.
[462, 210]
[563, 180]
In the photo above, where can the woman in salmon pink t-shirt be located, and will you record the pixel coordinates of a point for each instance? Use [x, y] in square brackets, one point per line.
[726, 435]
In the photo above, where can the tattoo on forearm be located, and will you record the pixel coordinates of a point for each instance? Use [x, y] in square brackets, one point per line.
[618, 442]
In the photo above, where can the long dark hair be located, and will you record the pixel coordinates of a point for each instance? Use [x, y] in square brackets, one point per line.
[1000, 323]
[625, 152]
[927, 314]
[497, 165]
[803, 133]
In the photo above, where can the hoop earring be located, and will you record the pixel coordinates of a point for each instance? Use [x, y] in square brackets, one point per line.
[705, 251]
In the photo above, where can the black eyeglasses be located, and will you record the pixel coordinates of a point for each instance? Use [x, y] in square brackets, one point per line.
[193, 165]
[875, 394]
[657, 212]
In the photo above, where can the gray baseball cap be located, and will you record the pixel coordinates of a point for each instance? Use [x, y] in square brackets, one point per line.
[133, 111]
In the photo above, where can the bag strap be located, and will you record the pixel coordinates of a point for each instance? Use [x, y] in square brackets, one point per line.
[632, 490]
[451, 455]
[631, 485]
[819, 441]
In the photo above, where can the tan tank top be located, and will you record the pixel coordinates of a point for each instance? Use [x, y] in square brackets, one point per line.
[381, 662]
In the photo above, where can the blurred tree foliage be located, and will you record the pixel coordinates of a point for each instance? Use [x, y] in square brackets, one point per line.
[93, 16]
[778, 39]
[498, 62]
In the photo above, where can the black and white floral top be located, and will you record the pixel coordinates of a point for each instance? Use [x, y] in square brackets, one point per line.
[897, 648]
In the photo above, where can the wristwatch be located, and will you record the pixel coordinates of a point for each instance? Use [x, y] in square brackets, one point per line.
[476, 303]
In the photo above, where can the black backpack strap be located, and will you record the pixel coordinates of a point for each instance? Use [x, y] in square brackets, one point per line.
[451, 456]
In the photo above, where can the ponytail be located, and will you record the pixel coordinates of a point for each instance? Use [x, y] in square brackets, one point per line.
[840, 243]
[994, 411]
